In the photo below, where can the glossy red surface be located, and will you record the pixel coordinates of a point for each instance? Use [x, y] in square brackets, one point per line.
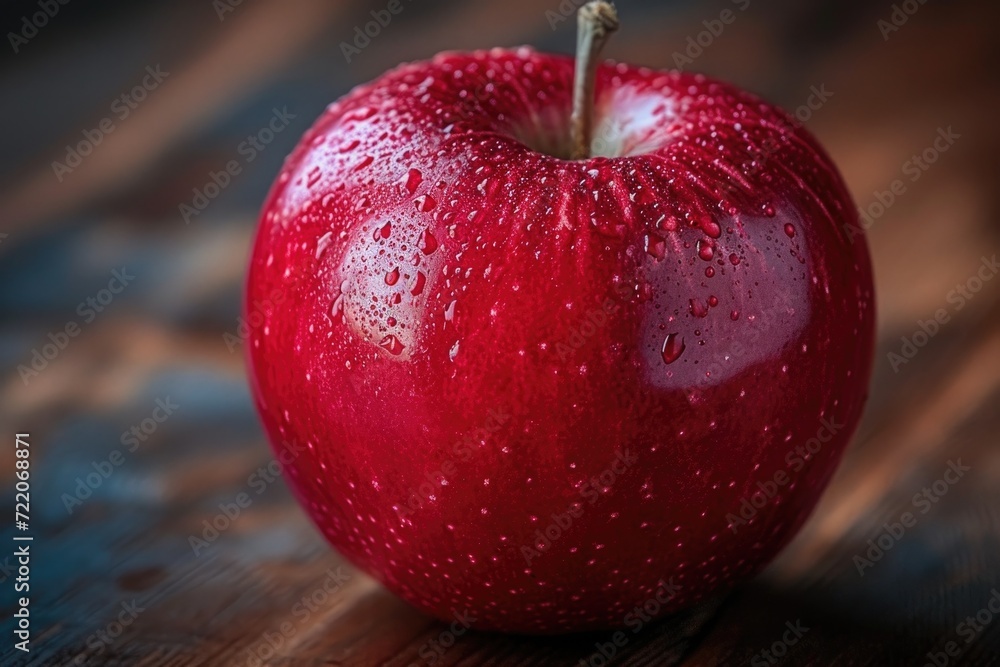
[465, 335]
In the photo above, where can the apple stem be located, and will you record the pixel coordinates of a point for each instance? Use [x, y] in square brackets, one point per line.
[596, 20]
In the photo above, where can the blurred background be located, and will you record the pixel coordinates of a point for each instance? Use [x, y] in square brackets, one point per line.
[121, 353]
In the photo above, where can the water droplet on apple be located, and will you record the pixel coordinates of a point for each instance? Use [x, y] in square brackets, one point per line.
[697, 308]
[391, 344]
[711, 228]
[427, 242]
[382, 232]
[705, 250]
[412, 180]
[656, 246]
[668, 223]
[418, 284]
[362, 113]
[392, 277]
[449, 312]
[425, 203]
[313, 176]
[349, 146]
[713, 301]
[337, 309]
[323, 244]
[672, 348]
[734, 259]
[364, 162]
[789, 230]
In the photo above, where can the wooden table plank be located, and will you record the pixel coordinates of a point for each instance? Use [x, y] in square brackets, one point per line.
[128, 543]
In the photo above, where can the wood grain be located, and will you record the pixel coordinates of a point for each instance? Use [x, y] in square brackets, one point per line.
[268, 590]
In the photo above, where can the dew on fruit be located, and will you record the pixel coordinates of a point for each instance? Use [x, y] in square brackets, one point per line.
[672, 348]
[705, 250]
[323, 244]
[734, 259]
[427, 243]
[364, 162]
[789, 230]
[425, 203]
[713, 301]
[449, 311]
[337, 309]
[709, 272]
[412, 180]
[391, 344]
[656, 246]
[697, 308]
[392, 277]
[313, 176]
[418, 284]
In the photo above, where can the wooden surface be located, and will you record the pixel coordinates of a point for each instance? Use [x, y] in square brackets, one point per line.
[163, 336]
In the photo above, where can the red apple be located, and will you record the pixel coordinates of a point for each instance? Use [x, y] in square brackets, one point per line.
[543, 391]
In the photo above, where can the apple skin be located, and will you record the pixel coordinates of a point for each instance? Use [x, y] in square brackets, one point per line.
[465, 340]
